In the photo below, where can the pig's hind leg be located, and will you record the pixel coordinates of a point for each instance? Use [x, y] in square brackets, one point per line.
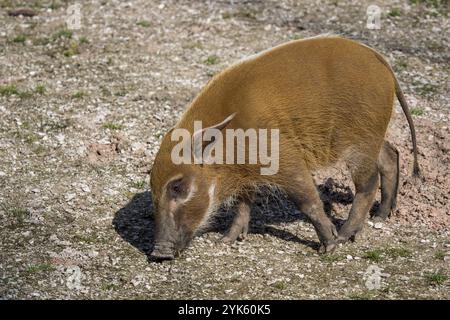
[388, 164]
[239, 227]
[365, 178]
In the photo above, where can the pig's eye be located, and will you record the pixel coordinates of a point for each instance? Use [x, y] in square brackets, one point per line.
[176, 188]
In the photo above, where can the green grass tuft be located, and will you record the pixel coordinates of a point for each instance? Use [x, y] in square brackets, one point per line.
[138, 184]
[394, 12]
[83, 40]
[78, 95]
[112, 126]
[435, 278]
[20, 39]
[63, 33]
[398, 252]
[213, 59]
[440, 255]
[8, 90]
[44, 267]
[417, 111]
[373, 255]
[40, 89]
[143, 23]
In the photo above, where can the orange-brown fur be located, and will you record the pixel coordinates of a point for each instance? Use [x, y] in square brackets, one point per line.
[331, 98]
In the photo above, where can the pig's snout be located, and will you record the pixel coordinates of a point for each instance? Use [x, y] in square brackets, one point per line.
[163, 251]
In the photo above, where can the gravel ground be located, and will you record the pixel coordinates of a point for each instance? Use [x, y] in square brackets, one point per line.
[82, 114]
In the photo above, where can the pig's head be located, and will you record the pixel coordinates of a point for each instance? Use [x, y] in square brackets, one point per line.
[183, 198]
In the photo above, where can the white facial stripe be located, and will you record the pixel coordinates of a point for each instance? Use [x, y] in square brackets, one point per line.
[212, 200]
[211, 190]
[193, 190]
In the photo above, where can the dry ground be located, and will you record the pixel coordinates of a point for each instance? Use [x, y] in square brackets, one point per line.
[82, 114]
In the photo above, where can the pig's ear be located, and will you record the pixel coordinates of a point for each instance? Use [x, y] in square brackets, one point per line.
[199, 145]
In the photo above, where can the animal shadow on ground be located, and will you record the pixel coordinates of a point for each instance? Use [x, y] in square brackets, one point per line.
[134, 222]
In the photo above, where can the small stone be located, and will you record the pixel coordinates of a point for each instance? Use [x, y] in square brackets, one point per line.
[349, 257]
[26, 234]
[70, 196]
[378, 225]
[60, 138]
[85, 188]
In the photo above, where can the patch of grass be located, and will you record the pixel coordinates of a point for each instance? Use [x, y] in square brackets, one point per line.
[30, 138]
[63, 33]
[54, 125]
[15, 212]
[110, 286]
[440, 255]
[143, 23]
[211, 60]
[417, 111]
[330, 258]
[72, 50]
[112, 126]
[44, 267]
[394, 12]
[8, 90]
[435, 278]
[11, 89]
[55, 5]
[89, 238]
[83, 40]
[429, 3]
[25, 94]
[280, 285]
[78, 95]
[398, 252]
[20, 38]
[121, 93]
[40, 89]
[373, 255]
[138, 184]
[401, 65]
[427, 89]
[296, 37]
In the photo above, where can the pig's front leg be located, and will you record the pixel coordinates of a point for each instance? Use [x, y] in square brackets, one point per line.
[239, 228]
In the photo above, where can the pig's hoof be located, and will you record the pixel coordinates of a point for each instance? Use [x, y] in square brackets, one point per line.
[161, 257]
[378, 218]
[228, 240]
[347, 236]
[327, 248]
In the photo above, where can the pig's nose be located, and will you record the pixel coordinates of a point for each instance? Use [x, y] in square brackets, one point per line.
[162, 252]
